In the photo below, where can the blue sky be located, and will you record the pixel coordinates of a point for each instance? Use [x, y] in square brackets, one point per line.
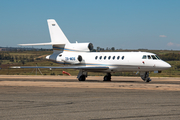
[123, 24]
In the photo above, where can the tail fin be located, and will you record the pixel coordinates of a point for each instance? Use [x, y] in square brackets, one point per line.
[56, 34]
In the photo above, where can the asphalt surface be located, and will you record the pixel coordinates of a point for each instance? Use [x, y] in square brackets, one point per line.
[19, 102]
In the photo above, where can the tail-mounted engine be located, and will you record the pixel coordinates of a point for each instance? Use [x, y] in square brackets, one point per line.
[79, 47]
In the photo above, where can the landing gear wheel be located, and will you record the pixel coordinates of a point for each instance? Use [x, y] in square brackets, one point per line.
[147, 80]
[82, 78]
[107, 77]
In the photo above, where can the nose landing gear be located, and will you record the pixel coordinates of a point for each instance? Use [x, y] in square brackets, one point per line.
[145, 76]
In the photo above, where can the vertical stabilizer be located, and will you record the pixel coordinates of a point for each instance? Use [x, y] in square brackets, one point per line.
[56, 34]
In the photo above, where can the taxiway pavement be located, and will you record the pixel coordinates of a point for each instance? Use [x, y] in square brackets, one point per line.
[65, 98]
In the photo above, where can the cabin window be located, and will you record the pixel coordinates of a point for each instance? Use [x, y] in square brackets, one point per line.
[153, 57]
[149, 57]
[60, 55]
[96, 57]
[118, 57]
[122, 58]
[144, 57]
[100, 57]
[104, 57]
[109, 57]
[113, 57]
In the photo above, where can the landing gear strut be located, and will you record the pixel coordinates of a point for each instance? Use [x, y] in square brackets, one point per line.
[145, 76]
[82, 75]
[107, 77]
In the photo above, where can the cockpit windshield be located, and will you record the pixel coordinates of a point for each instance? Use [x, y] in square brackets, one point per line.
[154, 57]
[157, 57]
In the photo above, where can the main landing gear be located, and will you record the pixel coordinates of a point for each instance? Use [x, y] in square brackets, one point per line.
[145, 76]
[82, 78]
[107, 77]
[82, 75]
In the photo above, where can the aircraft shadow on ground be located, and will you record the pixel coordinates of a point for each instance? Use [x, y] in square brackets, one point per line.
[113, 81]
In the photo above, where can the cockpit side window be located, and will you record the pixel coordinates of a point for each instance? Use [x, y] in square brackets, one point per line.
[144, 57]
[149, 57]
[153, 57]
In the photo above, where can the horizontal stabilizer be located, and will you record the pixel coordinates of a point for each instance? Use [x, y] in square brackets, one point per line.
[33, 44]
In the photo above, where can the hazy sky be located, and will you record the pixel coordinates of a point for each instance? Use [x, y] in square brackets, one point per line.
[125, 24]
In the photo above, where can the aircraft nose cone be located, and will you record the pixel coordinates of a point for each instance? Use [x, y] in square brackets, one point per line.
[168, 65]
[162, 65]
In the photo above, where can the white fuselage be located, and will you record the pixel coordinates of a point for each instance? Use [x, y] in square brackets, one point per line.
[116, 61]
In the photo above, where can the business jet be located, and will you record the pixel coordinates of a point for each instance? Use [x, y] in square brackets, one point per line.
[79, 56]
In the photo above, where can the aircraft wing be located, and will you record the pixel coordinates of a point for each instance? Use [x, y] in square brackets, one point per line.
[65, 67]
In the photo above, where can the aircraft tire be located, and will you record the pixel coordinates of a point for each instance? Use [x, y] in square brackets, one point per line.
[82, 78]
[148, 80]
[107, 78]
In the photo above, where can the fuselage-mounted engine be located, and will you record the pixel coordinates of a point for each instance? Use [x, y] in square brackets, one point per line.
[79, 47]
